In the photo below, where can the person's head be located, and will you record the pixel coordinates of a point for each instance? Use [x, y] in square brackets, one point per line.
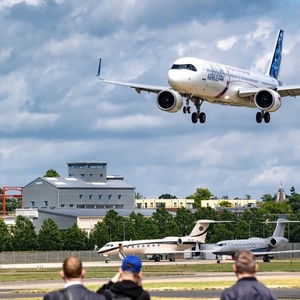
[132, 268]
[72, 269]
[245, 263]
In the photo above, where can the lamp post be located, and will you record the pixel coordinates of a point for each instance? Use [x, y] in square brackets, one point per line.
[123, 231]
[249, 228]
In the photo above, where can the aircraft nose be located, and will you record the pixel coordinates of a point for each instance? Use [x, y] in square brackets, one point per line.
[174, 78]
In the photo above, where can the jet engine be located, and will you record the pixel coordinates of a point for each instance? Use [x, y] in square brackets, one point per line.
[185, 239]
[273, 242]
[267, 100]
[169, 101]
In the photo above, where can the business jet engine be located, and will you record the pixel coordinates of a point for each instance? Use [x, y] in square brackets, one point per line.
[267, 100]
[169, 101]
[273, 242]
[186, 239]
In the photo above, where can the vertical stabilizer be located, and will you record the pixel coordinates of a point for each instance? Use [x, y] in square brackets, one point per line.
[279, 230]
[200, 229]
[274, 66]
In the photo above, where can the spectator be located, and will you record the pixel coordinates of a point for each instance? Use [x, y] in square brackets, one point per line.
[247, 287]
[72, 274]
[127, 282]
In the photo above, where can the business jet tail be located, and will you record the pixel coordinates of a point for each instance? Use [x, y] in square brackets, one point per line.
[279, 229]
[274, 66]
[200, 230]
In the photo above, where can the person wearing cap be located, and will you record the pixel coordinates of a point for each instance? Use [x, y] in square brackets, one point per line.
[247, 287]
[128, 280]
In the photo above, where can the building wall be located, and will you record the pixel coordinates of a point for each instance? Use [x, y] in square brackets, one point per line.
[215, 203]
[38, 194]
[166, 203]
[88, 171]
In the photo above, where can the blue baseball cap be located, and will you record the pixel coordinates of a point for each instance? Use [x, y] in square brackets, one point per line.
[132, 263]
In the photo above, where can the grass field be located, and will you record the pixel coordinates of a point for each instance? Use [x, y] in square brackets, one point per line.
[12, 275]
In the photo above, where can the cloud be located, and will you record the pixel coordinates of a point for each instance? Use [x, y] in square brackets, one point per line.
[228, 43]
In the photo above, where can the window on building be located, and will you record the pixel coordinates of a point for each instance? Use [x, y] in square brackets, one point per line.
[90, 197]
[119, 197]
[80, 206]
[81, 175]
[91, 175]
[146, 206]
[45, 203]
[100, 197]
[101, 175]
[63, 205]
[139, 205]
[71, 205]
[119, 206]
[151, 204]
[32, 203]
[109, 197]
[80, 196]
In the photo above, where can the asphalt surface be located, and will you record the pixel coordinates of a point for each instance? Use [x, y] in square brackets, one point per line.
[11, 290]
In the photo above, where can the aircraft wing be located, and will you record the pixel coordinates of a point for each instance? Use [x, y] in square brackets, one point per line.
[274, 252]
[283, 91]
[138, 87]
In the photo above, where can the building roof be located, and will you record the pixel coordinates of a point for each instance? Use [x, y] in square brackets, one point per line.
[94, 212]
[72, 182]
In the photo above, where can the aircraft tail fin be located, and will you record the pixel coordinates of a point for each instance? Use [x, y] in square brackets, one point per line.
[279, 229]
[200, 230]
[274, 65]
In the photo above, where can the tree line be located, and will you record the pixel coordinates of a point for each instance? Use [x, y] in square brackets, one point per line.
[252, 222]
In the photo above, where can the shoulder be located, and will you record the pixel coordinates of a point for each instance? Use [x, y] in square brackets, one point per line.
[143, 296]
[56, 295]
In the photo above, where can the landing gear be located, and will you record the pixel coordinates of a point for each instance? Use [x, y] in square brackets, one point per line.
[218, 258]
[266, 258]
[107, 260]
[171, 258]
[187, 108]
[263, 116]
[198, 115]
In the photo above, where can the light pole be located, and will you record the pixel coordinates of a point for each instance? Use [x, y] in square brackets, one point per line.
[249, 228]
[123, 231]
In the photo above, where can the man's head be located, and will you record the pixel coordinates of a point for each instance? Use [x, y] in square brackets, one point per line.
[245, 263]
[72, 269]
[132, 263]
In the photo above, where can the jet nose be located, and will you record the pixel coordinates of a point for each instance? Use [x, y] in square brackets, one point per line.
[174, 78]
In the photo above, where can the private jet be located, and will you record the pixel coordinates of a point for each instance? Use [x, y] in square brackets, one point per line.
[156, 248]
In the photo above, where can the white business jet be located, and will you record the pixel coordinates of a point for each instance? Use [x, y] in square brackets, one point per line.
[258, 246]
[197, 80]
[155, 248]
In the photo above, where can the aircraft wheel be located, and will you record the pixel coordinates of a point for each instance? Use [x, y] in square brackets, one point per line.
[107, 260]
[267, 117]
[202, 117]
[194, 117]
[189, 109]
[259, 117]
[157, 258]
[184, 109]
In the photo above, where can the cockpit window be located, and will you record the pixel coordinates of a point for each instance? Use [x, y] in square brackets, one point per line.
[185, 66]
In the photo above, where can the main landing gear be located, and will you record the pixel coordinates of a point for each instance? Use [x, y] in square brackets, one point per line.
[263, 116]
[195, 115]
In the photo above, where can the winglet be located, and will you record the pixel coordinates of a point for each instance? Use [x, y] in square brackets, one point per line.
[99, 68]
[274, 66]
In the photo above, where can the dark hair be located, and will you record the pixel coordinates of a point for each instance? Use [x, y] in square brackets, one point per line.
[245, 262]
[72, 267]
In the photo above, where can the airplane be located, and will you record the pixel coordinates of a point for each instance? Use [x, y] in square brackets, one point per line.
[155, 248]
[199, 80]
[258, 246]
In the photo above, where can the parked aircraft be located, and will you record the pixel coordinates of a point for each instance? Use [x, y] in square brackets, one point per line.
[259, 246]
[199, 80]
[155, 248]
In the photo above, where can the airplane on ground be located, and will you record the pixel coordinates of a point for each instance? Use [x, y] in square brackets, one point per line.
[155, 248]
[199, 80]
[258, 246]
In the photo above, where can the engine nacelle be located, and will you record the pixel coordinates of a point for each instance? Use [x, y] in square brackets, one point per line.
[267, 100]
[169, 101]
[186, 239]
[273, 242]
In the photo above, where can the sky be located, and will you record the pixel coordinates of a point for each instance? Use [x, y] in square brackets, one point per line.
[54, 110]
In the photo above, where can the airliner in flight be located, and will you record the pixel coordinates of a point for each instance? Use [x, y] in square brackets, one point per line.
[197, 80]
[156, 248]
[258, 246]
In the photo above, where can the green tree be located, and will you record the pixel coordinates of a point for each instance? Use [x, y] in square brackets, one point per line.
[185, 220]
[267, 198]
[276, 208]
[294, 201]
[24, 235]
[167, 196]
[225, 203]
[49, 237]
[112, 220]
[138, 196]
[75, 239]
[5, 237]
[99, 235]
[200, 194]
[161, 217]
[51, 173]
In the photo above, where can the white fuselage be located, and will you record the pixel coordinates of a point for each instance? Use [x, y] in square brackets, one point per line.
[253, 244]
[154, 246]
[215, 82]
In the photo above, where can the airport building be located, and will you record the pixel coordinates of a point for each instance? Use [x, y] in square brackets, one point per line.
[87, 187]
[168, 204]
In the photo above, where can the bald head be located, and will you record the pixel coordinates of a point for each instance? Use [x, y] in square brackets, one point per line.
[72, 267]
